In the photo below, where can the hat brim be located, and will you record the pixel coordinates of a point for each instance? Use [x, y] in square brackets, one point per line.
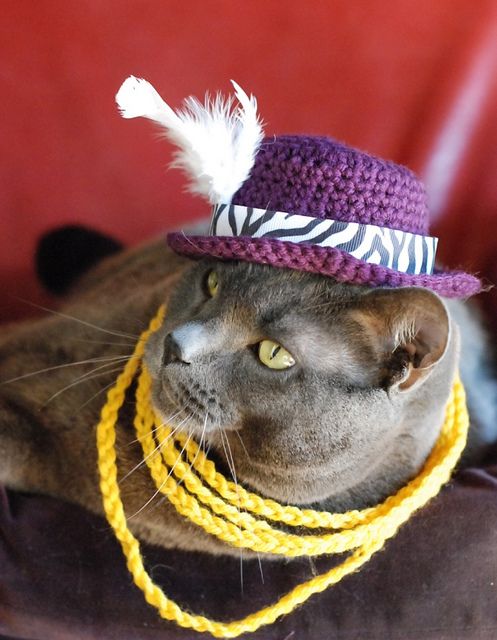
[326, 261]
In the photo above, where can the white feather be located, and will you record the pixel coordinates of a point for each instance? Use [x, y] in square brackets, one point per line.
[216, 143]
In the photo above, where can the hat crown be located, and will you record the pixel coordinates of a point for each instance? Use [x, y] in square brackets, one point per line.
[319, 177]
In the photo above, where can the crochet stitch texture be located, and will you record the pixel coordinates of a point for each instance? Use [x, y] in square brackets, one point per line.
[319, 177]
[322, 178]
[241, 518]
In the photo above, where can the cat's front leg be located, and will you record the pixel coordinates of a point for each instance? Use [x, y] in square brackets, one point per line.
[27, 455]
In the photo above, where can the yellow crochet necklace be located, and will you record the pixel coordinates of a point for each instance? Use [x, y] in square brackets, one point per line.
[212, 502]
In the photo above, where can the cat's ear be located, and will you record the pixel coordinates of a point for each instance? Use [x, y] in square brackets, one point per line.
[408, 330]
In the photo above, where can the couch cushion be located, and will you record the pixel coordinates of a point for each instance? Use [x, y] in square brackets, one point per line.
[63, 576]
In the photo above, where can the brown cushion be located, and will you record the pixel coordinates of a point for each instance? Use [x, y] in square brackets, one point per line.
[63, 576]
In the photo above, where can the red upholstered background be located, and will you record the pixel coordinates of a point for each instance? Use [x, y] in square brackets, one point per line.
[412, 80]
[415, 81]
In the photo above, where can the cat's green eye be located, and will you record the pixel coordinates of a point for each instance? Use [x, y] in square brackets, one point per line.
[274, 356]
[212, 283]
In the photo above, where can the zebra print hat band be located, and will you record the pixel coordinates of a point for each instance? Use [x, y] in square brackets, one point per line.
[405, 252]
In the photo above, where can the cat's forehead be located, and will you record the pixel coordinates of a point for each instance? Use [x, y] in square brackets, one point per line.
[262, 299]
[280, 284]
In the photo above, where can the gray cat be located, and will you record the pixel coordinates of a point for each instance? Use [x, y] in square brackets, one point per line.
[303, 388]
[308, 391]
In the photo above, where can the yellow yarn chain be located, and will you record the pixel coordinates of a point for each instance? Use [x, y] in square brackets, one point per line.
[201, 494]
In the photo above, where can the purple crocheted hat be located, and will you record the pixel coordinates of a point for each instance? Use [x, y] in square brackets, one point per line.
[301, 202]
[322, 180]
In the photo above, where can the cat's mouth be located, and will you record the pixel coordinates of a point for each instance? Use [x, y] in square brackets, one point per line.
[192, 409]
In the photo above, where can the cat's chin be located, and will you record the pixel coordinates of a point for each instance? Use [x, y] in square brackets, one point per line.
[290, 491]
[291, 486]
[288, 486]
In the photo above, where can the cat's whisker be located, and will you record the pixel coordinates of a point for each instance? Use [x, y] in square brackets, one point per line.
[202, 438]
[165, 422]
[260, 567]
[159, 489]
[67, 364]
[231, 464]
[242, 443]
[233, 473]
[204, 443]
[144, 460]
[208, 449]
[180, 457]
[312, 566]
[89, 376]
[202, 435]
[200, 445]
[228, 455]
[236, 484]
[120, 334]
[80, 381]
[104, 388]
[241, 572]
[109, 344]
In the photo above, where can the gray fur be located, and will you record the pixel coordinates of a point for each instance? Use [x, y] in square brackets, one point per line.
[352, 421]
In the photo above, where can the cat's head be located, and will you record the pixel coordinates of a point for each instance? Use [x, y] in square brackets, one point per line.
[322, 389]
